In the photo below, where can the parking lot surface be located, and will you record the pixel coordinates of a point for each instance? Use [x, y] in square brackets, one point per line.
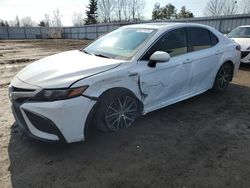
[201, 142]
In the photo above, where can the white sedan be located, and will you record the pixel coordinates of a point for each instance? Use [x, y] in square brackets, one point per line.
[129, 72]
[241, 35]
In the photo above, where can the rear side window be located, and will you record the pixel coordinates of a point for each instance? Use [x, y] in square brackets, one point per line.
[198, 39]
[214, 39]
[174, 42]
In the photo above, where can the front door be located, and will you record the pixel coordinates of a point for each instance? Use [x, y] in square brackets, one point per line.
[167, 81]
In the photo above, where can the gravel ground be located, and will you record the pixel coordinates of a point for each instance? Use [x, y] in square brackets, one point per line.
[200, 142]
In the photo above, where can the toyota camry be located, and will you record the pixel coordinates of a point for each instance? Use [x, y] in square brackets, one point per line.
[129, 72]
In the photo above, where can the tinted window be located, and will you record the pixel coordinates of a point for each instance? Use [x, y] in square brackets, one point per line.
[214, 39]
[198, 38]
[174, 42]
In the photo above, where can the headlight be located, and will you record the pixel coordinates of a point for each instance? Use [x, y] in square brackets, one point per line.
[59, 94]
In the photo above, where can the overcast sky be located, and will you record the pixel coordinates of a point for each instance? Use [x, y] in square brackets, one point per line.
[36, 9]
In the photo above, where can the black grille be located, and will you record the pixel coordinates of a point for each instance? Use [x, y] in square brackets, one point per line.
[44, 124]
[40, 123]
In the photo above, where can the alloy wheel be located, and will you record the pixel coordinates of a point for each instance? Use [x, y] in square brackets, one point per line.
[224, 76]
[121, 113]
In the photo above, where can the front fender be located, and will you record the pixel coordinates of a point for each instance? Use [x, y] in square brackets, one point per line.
[111, 79]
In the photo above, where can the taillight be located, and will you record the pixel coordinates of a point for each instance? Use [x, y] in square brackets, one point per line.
[238, 47]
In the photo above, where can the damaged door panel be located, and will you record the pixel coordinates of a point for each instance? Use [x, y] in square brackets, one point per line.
[164, 82]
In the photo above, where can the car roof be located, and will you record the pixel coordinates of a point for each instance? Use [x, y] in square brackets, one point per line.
[163, 25]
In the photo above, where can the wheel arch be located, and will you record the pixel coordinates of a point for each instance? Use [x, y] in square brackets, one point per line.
[101, 96]
[125, 89]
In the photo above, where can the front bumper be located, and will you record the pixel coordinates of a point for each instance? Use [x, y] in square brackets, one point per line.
[245, 57]
[53, 121]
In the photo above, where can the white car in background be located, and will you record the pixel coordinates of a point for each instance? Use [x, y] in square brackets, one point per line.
[131, 71]
[241, 35]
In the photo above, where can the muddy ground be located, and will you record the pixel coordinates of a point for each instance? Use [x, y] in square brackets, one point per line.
[200, 142]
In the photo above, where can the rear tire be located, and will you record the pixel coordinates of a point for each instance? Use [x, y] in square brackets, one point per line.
[117, 109]
[223, 77]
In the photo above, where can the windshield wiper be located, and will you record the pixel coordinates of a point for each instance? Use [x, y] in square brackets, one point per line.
[96, 54]
[101, 55]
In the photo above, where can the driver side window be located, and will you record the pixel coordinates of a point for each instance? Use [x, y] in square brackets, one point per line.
[174, 42]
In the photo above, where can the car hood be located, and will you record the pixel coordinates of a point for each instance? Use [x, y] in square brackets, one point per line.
[243, 42]
[63, 69]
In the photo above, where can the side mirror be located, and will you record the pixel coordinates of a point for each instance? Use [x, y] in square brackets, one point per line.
[158, 57]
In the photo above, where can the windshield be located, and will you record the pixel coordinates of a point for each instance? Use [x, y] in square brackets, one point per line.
[122, 43]
[240, 32]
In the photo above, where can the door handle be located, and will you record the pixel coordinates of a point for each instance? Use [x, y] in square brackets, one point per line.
[131, 73]
[187, 61]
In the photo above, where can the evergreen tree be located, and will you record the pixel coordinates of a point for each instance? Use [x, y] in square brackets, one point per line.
[169, 11]
[157, 12]
[91, 12]
[184, 13]
[42, 24]
[2, 24]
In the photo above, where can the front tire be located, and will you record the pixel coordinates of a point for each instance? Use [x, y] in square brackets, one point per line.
[117, 109]
[223, 78]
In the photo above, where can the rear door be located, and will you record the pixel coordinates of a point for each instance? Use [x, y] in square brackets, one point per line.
[204, 56]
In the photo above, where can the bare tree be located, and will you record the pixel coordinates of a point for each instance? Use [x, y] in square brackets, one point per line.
[56, 22]
[77, 19]
[213, 8]
[245, 6]
[135, 8]
[138, 7]
[119, 6]
[17, 21]
[230, 7]
[126, 10]
[12, 23]
[27, 22]
[105, 9]
[120, 10]
[221, 7]
[47, 20]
